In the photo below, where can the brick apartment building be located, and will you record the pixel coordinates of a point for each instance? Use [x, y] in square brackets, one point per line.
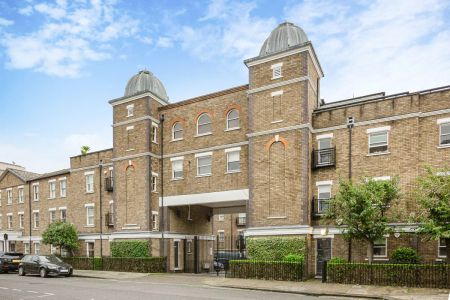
[268, 154]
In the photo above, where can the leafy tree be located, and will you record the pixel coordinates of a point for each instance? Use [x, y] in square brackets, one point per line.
[361, 208]
[85, 149]
[433, 195]
[62, 235]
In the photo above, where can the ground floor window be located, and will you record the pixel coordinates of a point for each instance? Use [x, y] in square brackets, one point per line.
[12, 246]
[380, 247]
[442, 252]
[90, 249]
[221, 235]
[37, 248]
[26, 248]
[52, 249]
[155, 222]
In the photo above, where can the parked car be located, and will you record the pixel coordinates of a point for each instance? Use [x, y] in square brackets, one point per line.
[44, 265]
[13, 259]
[222, 258]
[4, 265]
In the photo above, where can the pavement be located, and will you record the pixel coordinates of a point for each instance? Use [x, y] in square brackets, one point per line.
[311, 287]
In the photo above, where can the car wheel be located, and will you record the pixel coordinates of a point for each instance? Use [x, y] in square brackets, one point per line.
[21, 272]
[43, 273]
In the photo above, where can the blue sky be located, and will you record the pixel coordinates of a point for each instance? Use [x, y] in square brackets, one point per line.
[61, 61]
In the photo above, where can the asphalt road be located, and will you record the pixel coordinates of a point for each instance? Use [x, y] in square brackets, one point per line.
[13, 287]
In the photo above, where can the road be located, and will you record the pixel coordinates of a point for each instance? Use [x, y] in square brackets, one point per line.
[13, 287]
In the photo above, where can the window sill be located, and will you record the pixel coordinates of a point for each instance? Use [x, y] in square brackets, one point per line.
[277, 121]
[177, 179]
[378, 154]
[232, 172]
[273, 78]
[89, 226]
[52, 198]
[63, 197]
[129, 116]
[232, 129]
[36, 200]
[280, 217]
[20, 202]
[155, 142]
[35, 229]
[206, 175]
[176, 140]
[89, 192]
[9, 204]
[128, 150]
[203, 134]
[443, 146]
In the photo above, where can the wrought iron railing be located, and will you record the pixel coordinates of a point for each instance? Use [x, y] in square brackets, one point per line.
[109, 184]
[320, 206]
[109, 219]
[324, 158]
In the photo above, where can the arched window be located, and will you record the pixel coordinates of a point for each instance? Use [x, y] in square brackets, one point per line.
[204, 125]
[177, 131]
[233, 119]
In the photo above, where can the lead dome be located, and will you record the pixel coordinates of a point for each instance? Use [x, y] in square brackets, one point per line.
[145, 81]
[285, 36]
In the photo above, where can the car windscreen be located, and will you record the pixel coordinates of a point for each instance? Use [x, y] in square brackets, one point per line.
[50, 259]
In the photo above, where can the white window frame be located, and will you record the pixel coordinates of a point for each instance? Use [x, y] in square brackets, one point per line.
[385, 249]
[61, 210]
[199, 156]
[221, 236]
[233, 119]
[36, 219]
[21, 195]
[63, 187]
[154, 133]
[26, 248]
[277, 71]
[52, 215]
[37, 248]
[89, 183]
[320, 187]
[233, 151]
[52, 188]
[177, 161]
[221, 218]
[130, 110]
[21, 217]
[87, 248]
[177, 131]
[439, 249]
[204, 124]
[9, 196]
[88, 207]
[35, 191]
[9, 221]
[440, 132]
[154, 182]
[155, 221]
[376, 131]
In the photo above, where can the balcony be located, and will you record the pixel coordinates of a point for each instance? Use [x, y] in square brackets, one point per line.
[320, 206]
[324, 158]
[109, 219]
[109, 186]
[241, 221]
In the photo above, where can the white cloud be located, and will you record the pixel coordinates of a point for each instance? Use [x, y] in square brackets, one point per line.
[26, 11]
[72, 36]
[164, 42]
[390, 46]
[5, 22]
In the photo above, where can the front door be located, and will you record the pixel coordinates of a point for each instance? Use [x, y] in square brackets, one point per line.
[323, 253]
[176, 255]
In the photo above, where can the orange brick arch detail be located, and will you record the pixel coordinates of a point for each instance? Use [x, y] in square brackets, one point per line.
[207, 111]
[177, 119]
[232, 106]
[129, 166]
[274, 140]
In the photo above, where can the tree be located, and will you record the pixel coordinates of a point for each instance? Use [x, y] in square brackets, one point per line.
[361, 208]
[433, 196]
[85, 149]
[62, 235]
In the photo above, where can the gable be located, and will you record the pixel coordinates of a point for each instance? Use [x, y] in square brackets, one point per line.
[8, 179]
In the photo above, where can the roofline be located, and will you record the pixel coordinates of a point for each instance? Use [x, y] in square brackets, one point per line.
[17, 175]
[205, 97]
[103, 150]
[51, 174]
[142, 94]
[358, 101]
[9, 164]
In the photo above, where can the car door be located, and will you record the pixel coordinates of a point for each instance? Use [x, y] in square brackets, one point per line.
[34, 265]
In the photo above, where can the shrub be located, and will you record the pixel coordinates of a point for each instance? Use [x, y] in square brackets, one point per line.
[269, 270]
[294, 258]
[405, 255]
[337, 260]
[130, 249]
[275, 248]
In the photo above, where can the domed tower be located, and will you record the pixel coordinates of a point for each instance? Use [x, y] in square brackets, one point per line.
[283, 92]
[136, 148]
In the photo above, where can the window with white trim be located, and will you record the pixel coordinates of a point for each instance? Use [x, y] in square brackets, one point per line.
[90, 249]
[21, 195]
[233, 119]
[444, 134]
[10, 221]
[204, 165]
[221, 235]
[323, 197]
[177, 169]
[36, 192]
[380, 248]
[36, 219]
[130, 110]
[221, 218]
[9, 197]
[21, 220]
[177, 131]
[37, 248]
[63, 214]
[155, 134]
[378, 142]
[26, 248]
[442, 249]
[89, 183]
[52, 249]
[233, 161]
[276, 71]
[154, 182]
[52, 189]
[155, 221]
[204, 125]
[325, 155]
[63, 188]
[90, 215]
[52, 216]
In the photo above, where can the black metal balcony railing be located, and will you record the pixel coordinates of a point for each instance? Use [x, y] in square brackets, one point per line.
[324, 158]
[320, 206]
[109, 184]
[109, 219]
[241, 221]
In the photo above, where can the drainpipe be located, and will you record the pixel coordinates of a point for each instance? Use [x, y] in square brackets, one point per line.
[350, 127]
[101, 210]
[163, 219]
[29, 212]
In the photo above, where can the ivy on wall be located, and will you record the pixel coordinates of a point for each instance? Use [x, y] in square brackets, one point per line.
[130, 249]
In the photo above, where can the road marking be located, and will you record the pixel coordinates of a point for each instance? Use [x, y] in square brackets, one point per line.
[4, 288]
[17, 290]
[33, 292]
[46, 295]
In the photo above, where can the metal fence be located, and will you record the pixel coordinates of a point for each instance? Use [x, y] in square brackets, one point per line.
[268, 270]
[412, 275]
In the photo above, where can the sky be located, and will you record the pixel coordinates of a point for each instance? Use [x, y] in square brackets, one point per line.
[61, 61]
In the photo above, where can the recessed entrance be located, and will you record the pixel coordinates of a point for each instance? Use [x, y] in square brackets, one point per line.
[323, 253]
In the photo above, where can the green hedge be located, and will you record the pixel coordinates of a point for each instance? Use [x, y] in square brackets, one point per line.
[275, 248]
[269, 270]
[130, 249]
[411, 275]
[120, 264]
[405, 255]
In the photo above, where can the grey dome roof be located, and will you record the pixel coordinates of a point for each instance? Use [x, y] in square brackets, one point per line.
[145, 81]
[283, 37]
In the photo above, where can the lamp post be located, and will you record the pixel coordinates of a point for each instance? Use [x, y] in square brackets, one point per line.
[5, 240]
